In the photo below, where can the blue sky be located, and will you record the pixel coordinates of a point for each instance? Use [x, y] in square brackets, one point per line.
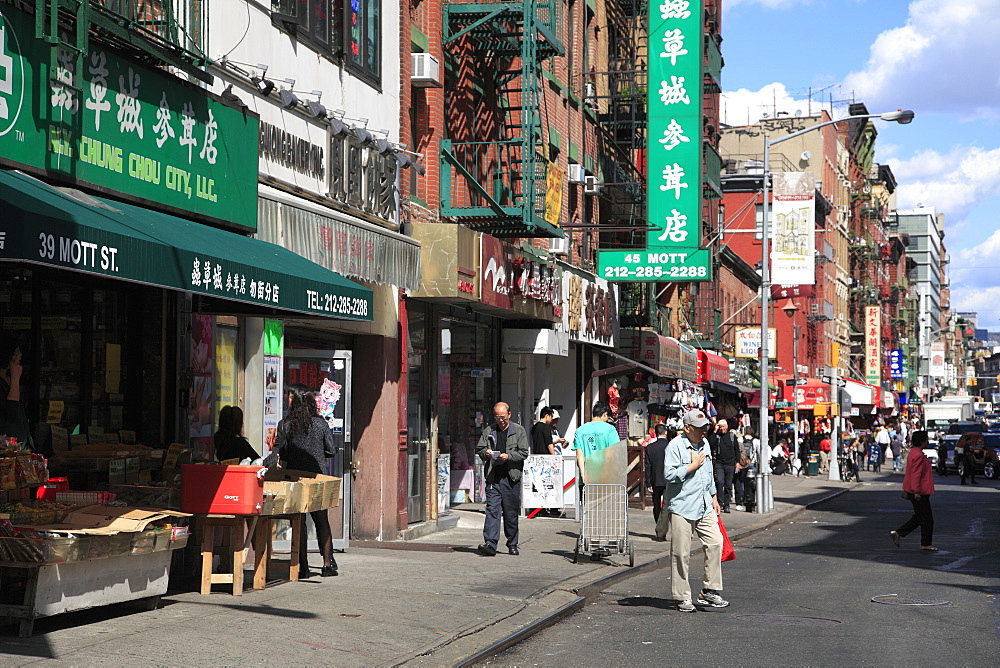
[940, 58]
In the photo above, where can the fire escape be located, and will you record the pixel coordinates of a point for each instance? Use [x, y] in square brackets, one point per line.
[171, 32]
[493, 171]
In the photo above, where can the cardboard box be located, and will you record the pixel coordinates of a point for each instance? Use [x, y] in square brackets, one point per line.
[314, 491]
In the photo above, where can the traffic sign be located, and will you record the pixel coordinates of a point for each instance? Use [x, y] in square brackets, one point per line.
[792, 381]
[655, 264]
[829, 379]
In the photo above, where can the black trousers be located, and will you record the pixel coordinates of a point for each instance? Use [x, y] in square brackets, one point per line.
[969, 470]
[504, 498]
[923, 518]
[657, 501]
[724, 483]
[746, 488]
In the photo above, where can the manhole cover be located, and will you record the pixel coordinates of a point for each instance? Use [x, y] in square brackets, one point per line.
[896, 599]
[789, 620]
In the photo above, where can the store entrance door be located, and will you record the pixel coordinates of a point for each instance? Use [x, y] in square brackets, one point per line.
[417, 440]
[328, 374]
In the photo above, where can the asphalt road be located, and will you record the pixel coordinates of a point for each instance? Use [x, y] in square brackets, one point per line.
[801, 594]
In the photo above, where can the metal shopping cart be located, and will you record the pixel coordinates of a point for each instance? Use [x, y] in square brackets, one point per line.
[604, 525]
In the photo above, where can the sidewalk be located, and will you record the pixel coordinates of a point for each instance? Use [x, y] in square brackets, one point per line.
[430, 601]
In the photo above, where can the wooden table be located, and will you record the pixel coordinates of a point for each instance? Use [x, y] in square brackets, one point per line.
[241, 530]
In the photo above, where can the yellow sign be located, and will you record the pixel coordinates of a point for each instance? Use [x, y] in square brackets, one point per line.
[554, 178]
[55, 412]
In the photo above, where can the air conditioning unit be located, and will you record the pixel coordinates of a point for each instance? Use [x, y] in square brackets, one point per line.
[576, 173]
[559, 246]
[590, 95]
[426, 71]
[590, 185]
[814, 309]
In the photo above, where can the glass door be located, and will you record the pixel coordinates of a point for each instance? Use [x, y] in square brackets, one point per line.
[328, 374]
[417, 440]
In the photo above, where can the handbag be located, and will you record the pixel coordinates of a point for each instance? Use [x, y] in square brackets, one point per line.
[728, 553]
[908, 495]
[744, 458]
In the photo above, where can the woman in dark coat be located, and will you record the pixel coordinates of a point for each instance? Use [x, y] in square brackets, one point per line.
[918, 482]
[303, 442]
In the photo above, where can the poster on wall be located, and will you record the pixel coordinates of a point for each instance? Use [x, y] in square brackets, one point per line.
[225, 367]
[272, 399]
[201, 418]
[542, 482]
[444, 481]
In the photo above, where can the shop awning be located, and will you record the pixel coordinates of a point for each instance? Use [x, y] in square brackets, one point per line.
[622, 368]
[72, 230]
[719, 386]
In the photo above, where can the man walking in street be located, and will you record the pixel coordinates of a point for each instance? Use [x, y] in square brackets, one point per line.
[655, 482]
[725, 454]
[692, 506]
[503, 448]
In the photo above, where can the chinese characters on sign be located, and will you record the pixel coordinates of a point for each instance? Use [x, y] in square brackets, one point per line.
[748, 343]
[123, 126]
[675, 110]
[873, 345]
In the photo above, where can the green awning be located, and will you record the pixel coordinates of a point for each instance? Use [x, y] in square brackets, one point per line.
[71, 230]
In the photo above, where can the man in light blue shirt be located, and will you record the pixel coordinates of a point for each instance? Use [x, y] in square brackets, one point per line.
[692, 505]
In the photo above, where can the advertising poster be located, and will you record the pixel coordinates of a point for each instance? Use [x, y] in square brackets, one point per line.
[201, 416]
[542, 482]
[272, 399]
[225, 367]
[444, 481]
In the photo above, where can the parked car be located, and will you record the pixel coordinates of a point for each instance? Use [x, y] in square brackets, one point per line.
[985, 449]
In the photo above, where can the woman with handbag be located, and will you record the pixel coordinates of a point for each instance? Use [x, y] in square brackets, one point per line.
[918, 485]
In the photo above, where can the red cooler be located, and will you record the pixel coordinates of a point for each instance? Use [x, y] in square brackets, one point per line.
[222, 490]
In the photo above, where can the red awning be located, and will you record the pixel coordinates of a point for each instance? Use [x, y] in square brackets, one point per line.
[712, 367]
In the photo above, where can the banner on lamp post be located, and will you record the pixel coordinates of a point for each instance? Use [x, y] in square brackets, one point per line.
[794, 213]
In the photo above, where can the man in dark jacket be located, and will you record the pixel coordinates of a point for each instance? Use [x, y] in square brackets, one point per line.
[655, 482]
[725, 454]
[503, 448]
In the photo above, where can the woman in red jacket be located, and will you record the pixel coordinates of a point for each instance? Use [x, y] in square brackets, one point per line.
[918, 482]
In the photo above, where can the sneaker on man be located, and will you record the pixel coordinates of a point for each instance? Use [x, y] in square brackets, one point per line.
[686, 606]
[711, 599]
[740, 506]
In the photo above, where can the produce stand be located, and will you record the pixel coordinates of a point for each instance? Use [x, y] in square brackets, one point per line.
[96, 555]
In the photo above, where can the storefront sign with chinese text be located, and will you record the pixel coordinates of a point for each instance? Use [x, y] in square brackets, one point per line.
[124, 127]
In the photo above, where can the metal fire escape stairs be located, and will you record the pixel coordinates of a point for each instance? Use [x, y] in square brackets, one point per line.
[153, 33]
[505, 175]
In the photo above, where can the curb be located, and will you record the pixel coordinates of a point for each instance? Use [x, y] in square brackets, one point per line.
[589, 591]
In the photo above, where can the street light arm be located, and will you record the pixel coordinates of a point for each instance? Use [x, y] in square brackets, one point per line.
[902, 117]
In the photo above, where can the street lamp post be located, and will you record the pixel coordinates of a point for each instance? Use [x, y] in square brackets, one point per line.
[765, 499]
[791, 310]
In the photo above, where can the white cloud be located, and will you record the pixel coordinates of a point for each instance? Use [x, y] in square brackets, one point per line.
[944, 59]
[954, 183]
[747, 107]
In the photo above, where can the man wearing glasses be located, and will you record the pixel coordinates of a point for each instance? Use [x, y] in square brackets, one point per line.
[692, 506]
[503, 448]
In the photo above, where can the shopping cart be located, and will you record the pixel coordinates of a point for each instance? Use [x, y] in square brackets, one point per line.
[604, 525]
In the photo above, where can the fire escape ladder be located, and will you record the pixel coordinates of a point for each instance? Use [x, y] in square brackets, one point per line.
[502, 176]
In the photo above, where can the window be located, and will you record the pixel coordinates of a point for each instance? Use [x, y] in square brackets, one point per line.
[364, 46]
[338, 28]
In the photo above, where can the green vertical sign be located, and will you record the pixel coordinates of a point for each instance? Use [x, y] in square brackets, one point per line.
[674, 124]
[274, 336]
[123, 126]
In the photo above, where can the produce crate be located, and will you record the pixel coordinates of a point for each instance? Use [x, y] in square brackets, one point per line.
[39, 550]
[149, 496]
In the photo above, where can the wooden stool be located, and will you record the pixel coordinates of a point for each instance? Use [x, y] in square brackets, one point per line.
[238, 537]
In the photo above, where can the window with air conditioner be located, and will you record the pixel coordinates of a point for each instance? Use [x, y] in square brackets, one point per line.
[426, 71]
[559, 246]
